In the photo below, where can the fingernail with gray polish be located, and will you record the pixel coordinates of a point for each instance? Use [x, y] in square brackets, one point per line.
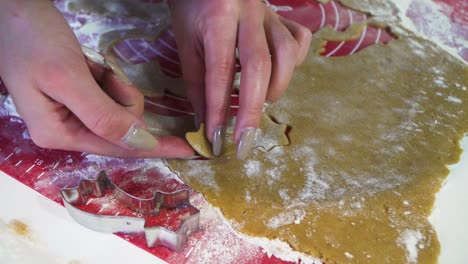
[93, 56]
[246, 142]
[218, 140]
[140, 139]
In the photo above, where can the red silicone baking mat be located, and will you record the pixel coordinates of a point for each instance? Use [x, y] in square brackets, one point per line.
[47, 171]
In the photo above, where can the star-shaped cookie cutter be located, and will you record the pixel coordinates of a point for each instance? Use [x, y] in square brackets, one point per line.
[155, 236]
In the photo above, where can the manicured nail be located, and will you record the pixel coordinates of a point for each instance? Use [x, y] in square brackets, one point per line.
[246, 142]
[218, 140]
[94, 56]
[140, 139]
[117, 70]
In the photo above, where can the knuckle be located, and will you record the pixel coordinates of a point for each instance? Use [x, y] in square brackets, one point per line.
[225, 66]
[260, 59]
[252, 3]
[287, 46]
[103, 124]
[223, 72]
[214, 17]
[304, 35]
[224, 8]
[253, 110]
[42, 140]
[53, 76]
[221, 8]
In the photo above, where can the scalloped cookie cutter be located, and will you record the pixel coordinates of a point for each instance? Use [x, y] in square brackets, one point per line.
[155, 236]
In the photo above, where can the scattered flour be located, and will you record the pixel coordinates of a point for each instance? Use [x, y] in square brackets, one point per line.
[205, 174]
[89, 27]
[409, 240]
[8, 107]
[252, 168]
[281, 250]
[248, 196]
[434, 26]
[277, 8]
[348, 255]
[219, 241]
[271, 247]
[454, 100]
[286, 218]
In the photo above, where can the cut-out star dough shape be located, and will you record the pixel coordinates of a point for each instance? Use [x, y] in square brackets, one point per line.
[200, 142]
[269, 135]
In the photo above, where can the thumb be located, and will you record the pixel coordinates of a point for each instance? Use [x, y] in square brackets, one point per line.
[80, 93]
[111, 121]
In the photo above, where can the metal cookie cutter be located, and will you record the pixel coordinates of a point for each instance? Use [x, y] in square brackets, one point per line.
[155, 236]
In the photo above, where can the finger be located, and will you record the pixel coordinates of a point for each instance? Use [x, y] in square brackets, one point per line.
[97, 70]
[169, 147]
[193, 71]
[95, 62]
[78, 91]
[219, 46]
[195, 88]
[256, 70]
[284, 49]
[85, 140]
[74, 136]
[302, 35]
[48, 115]
[123, 93]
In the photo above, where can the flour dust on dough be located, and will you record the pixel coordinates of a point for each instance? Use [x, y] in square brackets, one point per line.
[372, 135]
[268, 136]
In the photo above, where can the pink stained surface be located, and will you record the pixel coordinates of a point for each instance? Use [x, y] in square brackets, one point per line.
[47, 171]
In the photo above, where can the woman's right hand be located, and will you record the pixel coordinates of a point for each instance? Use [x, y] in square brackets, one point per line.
[270, 47]
[66, 101]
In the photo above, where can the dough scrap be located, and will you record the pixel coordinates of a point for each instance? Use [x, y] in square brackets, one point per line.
[352, 32]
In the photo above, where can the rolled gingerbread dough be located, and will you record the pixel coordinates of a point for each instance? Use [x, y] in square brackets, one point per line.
[372, 135]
